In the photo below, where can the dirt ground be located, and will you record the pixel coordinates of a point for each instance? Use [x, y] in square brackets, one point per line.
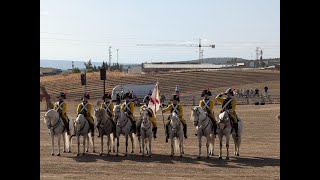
[259, 153]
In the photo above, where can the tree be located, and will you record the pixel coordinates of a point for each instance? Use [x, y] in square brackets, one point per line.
[88, 65]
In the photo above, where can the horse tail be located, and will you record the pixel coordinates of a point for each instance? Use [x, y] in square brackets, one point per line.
[211, 141]
[135, 140]
[90, 139]
[176, 145]
[66, 140]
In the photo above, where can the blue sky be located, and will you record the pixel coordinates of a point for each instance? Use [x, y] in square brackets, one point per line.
[84, 29]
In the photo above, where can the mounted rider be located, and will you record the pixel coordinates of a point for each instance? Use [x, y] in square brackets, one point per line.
[128, 107]
[207, 105]
[177, 108]
[61, 108]
[151, 114]
[229, 105]
[108, 106]
[85, 108]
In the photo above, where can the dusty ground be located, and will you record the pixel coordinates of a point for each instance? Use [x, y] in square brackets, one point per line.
[259, 154]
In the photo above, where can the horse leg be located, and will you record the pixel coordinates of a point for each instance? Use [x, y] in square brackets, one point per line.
[220, 139]
[78, 142]
[172, 143]
[117, 145]
[93, 149]
[114, 143]
[64, 142]
[142, 139]
[150, 139]
[126, 145]
[132, 142]
[101, 137]
[239, 142]
[180, 145]
[227, 145]
[235, 144]
[208, 137]
[52, 141]
[59, 136]
[199, 143]
[85, 137]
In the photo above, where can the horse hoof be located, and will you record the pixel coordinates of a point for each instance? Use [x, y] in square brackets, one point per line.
[77, 154]
[220, 157]
[149, 155]
[227, 158]
[64, 151]
[132, 151]
[140, 151]
[58, 154]
[69, 151]
[198, 157]
[237, 154]
[100, 154]
[126, 155]
[93, 151]
[83, 154]
[87, 150]
[52, 154]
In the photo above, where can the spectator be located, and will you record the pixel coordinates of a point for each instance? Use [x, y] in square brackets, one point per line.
[266, 90]
[256, 92]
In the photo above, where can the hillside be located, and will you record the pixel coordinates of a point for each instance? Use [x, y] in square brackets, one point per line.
[191, 83]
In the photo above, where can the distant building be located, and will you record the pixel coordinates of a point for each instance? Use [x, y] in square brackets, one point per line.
[135, 69]
[49, 71]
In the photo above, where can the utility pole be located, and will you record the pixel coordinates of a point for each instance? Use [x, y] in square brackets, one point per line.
[199, 50]
[117, 55]
[72, 65]
[257, 53]
[109, 58]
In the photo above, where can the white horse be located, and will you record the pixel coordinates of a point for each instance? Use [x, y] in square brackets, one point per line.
[224, 128]
[82, 128]
[105, 128]
[204, 128]
[123, 127]
[176, 134]
[145, 131]
[56, 128]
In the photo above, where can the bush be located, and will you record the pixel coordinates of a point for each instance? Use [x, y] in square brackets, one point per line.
[76, 70]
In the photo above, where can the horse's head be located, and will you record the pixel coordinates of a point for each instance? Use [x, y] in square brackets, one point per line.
[223, 119]
[101, 115]
[197, 115]
[145, 116]
[117, 112]
[50, 118]
[79, 122]
[175, 122]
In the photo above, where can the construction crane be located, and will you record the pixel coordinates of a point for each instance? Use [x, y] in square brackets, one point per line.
[183, 45]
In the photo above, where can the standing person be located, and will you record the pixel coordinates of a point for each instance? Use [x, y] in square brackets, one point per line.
[85, 108]
[256, 92]
[207, 105]
[177, 108]
[61, 108]
[229, 105]
[266, 90]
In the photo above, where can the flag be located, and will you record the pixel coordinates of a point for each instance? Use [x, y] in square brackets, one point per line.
[154, 103]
